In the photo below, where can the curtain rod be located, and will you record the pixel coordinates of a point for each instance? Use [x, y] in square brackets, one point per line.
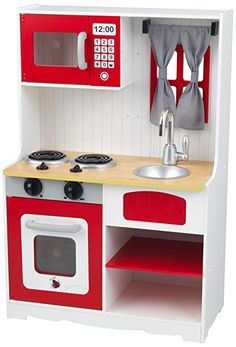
[214, 27]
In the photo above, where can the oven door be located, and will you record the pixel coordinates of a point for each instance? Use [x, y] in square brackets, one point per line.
[55, 253]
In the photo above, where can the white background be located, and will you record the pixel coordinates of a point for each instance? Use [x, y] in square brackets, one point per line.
[45, 333]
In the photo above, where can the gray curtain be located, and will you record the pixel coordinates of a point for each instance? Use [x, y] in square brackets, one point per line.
[164, 39]
[190, 109]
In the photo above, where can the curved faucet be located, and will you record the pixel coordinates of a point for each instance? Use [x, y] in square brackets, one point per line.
[170, 154]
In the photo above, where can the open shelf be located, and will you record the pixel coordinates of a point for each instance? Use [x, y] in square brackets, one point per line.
[161, 302]
[159, 255]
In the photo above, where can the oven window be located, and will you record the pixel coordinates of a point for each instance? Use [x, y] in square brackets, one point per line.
[55, 49]
[55, 255]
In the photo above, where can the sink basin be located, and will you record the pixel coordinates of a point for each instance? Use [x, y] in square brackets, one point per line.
[164, 172]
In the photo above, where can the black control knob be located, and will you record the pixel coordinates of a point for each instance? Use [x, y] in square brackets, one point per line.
[76, 168]
[33, 186]
[42, 166]
[73, 190]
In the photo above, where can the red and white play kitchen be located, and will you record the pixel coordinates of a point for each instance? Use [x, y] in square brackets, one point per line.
[116, 208]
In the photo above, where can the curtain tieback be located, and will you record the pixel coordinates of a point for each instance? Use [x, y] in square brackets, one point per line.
[194, 76]
[162, 73]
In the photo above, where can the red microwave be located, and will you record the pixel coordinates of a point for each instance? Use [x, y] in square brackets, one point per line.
[80, 50]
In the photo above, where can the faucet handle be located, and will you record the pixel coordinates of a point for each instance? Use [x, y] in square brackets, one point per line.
[186, 145]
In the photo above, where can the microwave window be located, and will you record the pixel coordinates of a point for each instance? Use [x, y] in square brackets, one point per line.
[55, 49]
[55, 255]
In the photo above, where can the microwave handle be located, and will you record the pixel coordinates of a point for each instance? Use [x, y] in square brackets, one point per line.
[53, 227]
[81, 50]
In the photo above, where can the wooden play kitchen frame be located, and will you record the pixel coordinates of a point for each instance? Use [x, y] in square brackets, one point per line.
[175, 284]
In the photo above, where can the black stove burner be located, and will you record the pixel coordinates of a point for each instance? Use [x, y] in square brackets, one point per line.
[47, 156]
[95, 159]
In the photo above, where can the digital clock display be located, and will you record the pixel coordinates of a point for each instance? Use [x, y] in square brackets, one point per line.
[104, 29]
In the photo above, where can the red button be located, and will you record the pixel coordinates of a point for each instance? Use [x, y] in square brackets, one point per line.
[104, 76]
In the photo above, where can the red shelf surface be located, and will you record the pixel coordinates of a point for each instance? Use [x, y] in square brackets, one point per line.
[157, 255]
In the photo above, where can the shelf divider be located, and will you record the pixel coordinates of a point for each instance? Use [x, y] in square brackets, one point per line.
[159, 255]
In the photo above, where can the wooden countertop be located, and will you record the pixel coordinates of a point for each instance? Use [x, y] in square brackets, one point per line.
[121, 174]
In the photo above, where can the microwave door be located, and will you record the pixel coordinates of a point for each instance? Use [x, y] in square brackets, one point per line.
[54, 49]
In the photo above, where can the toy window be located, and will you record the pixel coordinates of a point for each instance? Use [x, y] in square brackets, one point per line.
[179, 75]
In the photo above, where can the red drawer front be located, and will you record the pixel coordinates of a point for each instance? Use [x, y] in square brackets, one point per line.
[154, 207]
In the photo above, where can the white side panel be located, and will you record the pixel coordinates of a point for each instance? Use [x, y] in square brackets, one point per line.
[214, 245]
[6, 240]
[114, 282]
[112, 121]
[29, 111]
[30, 120]
[195, 217]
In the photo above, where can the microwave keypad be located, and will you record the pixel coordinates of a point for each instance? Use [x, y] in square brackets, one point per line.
[104, 53]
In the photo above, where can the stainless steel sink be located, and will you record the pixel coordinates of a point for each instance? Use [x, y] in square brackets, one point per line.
[164, 172]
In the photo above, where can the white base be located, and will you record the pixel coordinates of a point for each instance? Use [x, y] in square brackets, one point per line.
[20, 310]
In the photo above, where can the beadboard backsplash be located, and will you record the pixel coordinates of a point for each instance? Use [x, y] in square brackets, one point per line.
[118, 121]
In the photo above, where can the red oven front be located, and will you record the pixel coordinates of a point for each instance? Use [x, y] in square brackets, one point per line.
[64, 49]
[53, 253]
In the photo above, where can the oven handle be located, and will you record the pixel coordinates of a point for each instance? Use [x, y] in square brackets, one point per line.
[81, 50]
[53, 227]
